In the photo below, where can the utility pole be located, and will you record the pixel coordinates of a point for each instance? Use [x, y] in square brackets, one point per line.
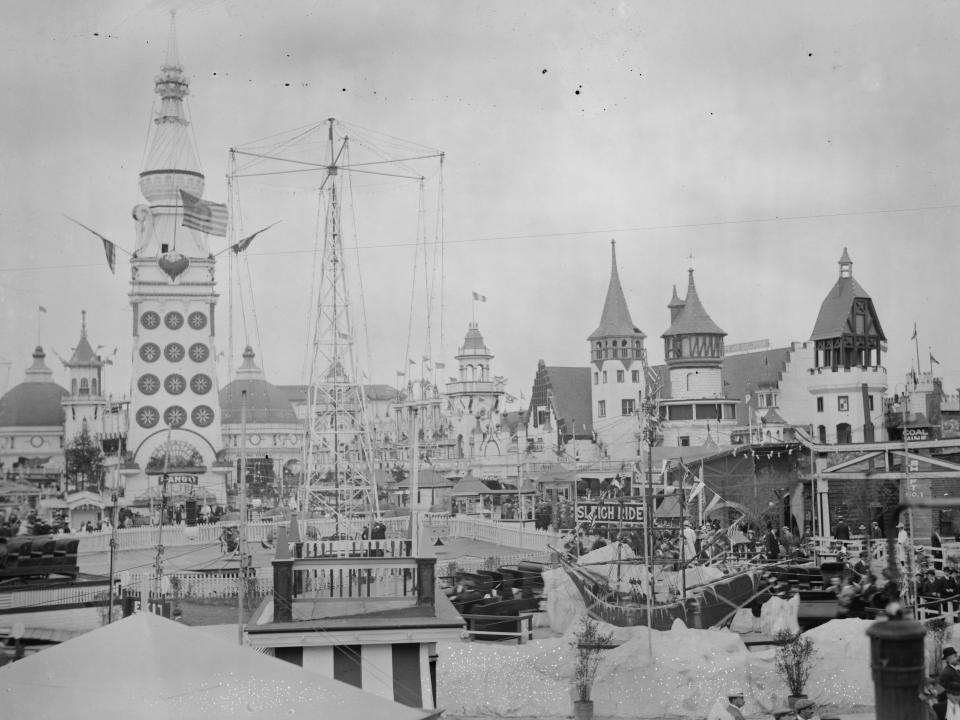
[242, 527]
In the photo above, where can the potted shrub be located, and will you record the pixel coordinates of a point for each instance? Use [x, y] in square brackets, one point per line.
[588, 643]
[793, 661]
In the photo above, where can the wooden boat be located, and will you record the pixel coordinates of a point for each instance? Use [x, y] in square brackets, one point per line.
[711, 604]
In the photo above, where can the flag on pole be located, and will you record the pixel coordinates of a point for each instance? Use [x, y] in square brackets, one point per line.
[205, 216]
[110, 250]
[42, 308]
[400, 373]
[439, 365]
[914, 336]
[933, 360]
[478, 297]
[412, 362]
[245, 243]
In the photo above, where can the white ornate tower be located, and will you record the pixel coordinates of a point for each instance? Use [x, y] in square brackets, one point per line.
[85, 403]
[617, 379]
[174, 402]
[473, 401]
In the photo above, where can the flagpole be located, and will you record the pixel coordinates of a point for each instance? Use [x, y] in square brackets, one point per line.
[916, 342]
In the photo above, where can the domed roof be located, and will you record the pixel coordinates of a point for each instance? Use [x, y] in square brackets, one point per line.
[266, 403]
[36, 401]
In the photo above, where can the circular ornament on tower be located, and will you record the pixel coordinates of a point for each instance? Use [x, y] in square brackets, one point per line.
[199, 352]
[147, 417]
[173, 320]
[202, 415]
[174, 416]
[175, 384]
[197, 320]
[148, 384]
[201, 384]
[174, 352]
[36, 441]
[150, 320]
[149, 352]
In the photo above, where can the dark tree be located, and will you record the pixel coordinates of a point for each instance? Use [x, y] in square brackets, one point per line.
[84, 461]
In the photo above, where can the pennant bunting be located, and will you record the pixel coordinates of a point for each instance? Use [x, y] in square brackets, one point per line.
[933, 360]
[245, 243]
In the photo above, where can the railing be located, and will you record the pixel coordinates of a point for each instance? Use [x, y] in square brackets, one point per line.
[393, 548]
[350, 580]
[198, 585]
[55, 597]
[510, 534]
[174, 535]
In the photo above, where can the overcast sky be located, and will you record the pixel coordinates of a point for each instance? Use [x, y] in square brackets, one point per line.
[760, 138]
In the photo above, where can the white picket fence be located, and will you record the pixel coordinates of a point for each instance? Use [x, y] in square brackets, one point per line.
[137, 538]
[197, 585]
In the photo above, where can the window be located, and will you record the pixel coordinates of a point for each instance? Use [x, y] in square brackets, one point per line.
[601, 408]
[627, 406]
[843, 403]
[620, 374]
[596, 378]
[870, 401]
[604, 377]
[684, 441]
[635, 376]
[819, 404]
[822, 433]
[767, 399]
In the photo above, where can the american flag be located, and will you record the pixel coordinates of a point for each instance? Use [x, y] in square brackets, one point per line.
[207, 217]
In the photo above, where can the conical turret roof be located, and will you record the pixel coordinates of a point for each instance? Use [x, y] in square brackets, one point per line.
[83, 353]
[615, 320]
[692, 318]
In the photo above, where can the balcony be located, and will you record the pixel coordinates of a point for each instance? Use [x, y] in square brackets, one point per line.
[336, 578]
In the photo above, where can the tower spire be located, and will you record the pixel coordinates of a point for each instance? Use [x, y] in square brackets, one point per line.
[615, 319]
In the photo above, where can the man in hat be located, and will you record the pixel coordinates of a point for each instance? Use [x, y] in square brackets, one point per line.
[950, 673]
[950, 586]
[876, 532]
[930, 588]
[841, 531]
[952, 709]
[728, 708]
[804, 708]
[862, 566]
[736, 701]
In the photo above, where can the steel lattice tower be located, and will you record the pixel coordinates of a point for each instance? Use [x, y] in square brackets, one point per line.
[338, 470]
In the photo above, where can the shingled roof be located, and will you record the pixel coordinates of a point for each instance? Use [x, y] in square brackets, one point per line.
[835, 309]
[615, 320]
[571, 398]
[692, 318]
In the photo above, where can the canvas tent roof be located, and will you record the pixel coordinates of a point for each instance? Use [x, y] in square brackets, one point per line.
[145, 666]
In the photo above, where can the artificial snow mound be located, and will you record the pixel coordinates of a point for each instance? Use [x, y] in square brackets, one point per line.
[687, 673]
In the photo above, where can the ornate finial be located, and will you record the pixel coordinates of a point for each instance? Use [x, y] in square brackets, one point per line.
[171, 83]
[691, 261]
[83, 323]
